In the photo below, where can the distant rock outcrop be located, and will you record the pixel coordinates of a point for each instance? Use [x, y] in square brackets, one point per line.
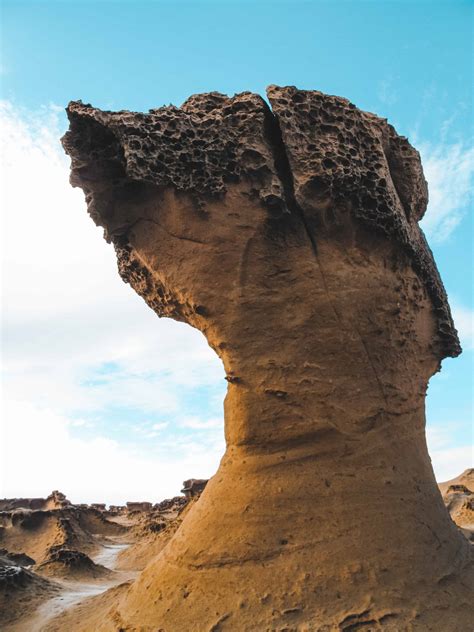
[466, 479]
[458, 496]
[56, 500]
[194, 487]
[70, 563]
[169, 504]
[20, 559]
[289, 237]
[20, 589]
[139, 506]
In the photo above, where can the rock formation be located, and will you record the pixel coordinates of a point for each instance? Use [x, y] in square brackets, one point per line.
[194, 487]
[458, 496]
[56, 500]
[139, 506]
[20, 590]
[64, 562]
[289, 237]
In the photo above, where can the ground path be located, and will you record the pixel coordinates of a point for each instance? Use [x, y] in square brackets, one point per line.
[74, 592]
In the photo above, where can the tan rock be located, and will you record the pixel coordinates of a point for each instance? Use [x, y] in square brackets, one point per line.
[291, 240]
[56, 500]
[193, 487]
[139, 506]
[458, 496]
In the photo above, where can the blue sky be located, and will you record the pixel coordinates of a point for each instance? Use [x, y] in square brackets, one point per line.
[90, 374]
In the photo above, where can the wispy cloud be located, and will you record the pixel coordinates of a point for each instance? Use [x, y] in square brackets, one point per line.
[386, 91]
[464, 321]
[449, 458]
[96, 469]
[449, 171]
[160, 426]
[201, 424]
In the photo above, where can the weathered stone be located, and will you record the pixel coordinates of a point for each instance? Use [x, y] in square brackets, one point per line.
[290, 238]
[193, 487]
[139, 506]
[19, 559]
[55, 500]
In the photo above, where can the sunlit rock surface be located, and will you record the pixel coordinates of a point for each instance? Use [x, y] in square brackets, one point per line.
[289, 236]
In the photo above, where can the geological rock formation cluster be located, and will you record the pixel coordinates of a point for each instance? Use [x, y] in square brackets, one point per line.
[49, 555]
[289, 236]
[56, 500]
[458, 496]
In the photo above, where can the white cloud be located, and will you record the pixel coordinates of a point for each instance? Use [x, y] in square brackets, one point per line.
[449, 460]
[78, 341]
[448, 170]
[386, 91]
[160, 426]
[200, 424]
[39, 454]
[156, 430]
[464, 322]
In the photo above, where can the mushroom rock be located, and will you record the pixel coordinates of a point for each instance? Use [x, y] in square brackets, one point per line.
[289, 237]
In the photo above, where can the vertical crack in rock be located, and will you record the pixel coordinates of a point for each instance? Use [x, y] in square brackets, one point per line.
[283, 169]
[213, 140]
[282, 166]
[290, 238]
[355, 160]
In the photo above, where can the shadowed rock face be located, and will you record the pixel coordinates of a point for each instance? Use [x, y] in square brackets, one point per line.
[290, 238]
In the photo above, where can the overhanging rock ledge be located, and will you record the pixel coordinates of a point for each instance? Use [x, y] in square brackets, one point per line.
[289, 236]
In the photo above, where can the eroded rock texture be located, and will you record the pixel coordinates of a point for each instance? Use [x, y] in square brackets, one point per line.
[290, 238]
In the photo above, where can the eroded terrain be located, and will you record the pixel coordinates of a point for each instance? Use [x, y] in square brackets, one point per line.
[87, 556]
[55, 555]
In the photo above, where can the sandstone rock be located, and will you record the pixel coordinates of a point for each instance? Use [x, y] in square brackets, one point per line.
[194, 487]
[56, 500]
[20, 590]
[12, 576]
[139, 506]
[10, 504]
[458, 488]
[290, 238]
[177, 503]
[466, 479]
[34, 533]
[66, 562]
[459, 501]
[20, 559]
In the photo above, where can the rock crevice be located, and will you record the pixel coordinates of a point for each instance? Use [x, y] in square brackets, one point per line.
[289, 237]
[336, 154]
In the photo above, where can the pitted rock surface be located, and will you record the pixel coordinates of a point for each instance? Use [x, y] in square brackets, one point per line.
[199, 148]
[68, 557]
[313, 153]
[344, 160]
[289, 237]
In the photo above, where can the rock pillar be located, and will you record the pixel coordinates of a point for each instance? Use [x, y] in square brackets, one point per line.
[289, 236]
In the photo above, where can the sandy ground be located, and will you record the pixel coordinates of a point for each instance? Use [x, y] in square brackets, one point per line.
[73, 593]
[78, 556]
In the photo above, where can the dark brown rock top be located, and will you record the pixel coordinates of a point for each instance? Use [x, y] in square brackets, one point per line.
[314, 155]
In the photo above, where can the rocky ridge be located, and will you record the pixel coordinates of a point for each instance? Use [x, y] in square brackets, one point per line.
[49, 551]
